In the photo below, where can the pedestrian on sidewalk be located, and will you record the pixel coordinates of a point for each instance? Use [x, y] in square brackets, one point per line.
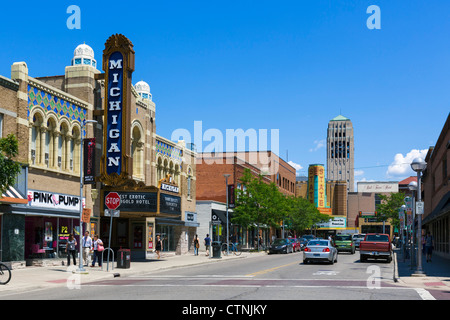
[159, 246]
[97, 246]
[429, 246]
[86, 243]
[71, 249]
[196, 245]
[207, 244]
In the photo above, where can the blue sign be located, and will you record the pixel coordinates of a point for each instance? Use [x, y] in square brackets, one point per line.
[114, 112]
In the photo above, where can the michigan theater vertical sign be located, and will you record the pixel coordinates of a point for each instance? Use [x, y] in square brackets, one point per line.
[118, 64]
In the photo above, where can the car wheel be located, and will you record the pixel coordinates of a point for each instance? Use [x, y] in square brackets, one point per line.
[335, 260]
[305, 261]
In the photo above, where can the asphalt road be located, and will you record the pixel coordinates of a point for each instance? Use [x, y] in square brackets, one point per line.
[267, 277]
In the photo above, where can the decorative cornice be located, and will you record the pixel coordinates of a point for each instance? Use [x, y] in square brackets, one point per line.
[58, 93]
[8, 83]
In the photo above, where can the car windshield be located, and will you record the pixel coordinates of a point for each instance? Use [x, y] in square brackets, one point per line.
[278, 242]
[318, 243]
[377, 237]
[358, 236]
[343, 237]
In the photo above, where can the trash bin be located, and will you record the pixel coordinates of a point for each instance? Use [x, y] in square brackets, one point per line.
[216, 249]
[123, 258]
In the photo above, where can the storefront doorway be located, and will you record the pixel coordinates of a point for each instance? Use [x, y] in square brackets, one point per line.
[167, 234]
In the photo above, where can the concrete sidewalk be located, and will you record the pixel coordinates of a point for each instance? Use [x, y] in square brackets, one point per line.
[436, 273]
[34, 278]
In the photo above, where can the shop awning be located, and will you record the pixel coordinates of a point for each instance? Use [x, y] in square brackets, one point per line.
[11, 195]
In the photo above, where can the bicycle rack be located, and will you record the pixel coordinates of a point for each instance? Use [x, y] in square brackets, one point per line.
[107, 266]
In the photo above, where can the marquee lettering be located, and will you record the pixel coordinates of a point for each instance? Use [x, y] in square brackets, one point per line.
[114, 118]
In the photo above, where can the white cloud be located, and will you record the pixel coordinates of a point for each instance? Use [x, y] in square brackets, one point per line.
[401, 167]
[358, 173]
[319, 144]
[295, 165]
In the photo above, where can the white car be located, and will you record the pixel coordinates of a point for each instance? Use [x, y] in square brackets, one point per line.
[320, 250]
[357, 238]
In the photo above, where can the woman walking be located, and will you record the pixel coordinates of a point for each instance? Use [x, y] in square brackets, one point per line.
[196, 245]
[71, 249]
[97, 246]
[159, 246]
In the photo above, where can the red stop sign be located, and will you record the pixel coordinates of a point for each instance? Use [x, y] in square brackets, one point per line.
[112, 200]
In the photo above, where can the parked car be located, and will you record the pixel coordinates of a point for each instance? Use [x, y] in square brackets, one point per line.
[320, 251]
[309, 236]
[357, 238]
[375, 246]
[303, 243]
[281, 246]
[295, 244]
[344, 243]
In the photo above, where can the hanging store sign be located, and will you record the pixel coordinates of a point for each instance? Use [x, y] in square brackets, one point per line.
[118, 64]
[168, 187]
[89, 161]
[114, 119]
[51, 200]
[170, 204]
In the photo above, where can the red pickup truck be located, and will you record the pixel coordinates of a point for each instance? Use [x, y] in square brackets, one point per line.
[375, 246]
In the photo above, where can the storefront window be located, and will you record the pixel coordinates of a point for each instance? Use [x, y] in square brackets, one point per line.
[167, 235]
[46, 237]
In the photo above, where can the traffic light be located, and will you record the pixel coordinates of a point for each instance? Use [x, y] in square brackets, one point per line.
[360, 214]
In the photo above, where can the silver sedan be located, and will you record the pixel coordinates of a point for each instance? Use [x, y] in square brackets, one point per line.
[320, 250]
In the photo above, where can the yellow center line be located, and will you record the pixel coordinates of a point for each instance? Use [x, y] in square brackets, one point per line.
[271, 269]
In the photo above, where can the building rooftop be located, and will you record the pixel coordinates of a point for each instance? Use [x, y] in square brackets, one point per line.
[340, 118]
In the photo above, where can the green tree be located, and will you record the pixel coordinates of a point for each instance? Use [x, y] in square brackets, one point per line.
[388, 208]
[303, 214]
[9, 169]
[262, 203]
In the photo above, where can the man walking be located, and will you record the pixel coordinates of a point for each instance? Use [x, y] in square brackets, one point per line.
[207, 244]
[86, 243]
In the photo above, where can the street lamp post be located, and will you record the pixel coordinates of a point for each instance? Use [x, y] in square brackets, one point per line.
[228, 236]
[413, 186]
[83, 126]
[418, 165]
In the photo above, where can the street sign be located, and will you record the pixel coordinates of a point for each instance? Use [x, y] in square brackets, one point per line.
[112, 200]
[112, 213]
[419, 207]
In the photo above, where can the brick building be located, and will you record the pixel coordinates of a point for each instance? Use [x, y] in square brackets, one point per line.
[436, 192]
[211, 185]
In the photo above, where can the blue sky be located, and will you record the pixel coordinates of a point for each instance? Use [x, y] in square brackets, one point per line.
[287, 65]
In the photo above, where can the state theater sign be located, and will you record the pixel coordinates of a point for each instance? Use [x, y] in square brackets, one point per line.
[118, 64]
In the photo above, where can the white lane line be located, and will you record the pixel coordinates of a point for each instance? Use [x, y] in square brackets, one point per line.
[424, 294]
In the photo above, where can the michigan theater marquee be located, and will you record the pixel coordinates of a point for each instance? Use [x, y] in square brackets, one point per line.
[146, 209]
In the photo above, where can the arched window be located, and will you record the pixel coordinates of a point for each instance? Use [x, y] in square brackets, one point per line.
[51, 144]
[159, 170]
[137, 153]
[75, 150]
[37, 139]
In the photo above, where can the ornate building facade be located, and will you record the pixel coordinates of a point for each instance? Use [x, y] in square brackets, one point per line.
[48, 115]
